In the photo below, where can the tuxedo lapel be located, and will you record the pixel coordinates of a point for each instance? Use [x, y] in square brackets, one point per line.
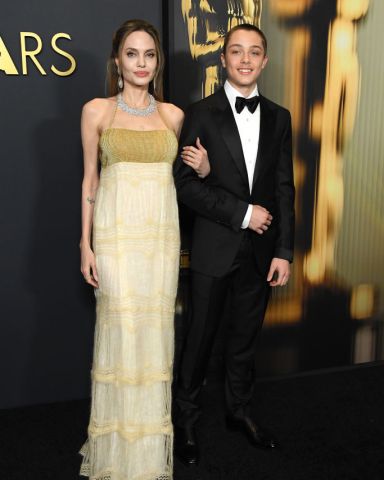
[229, 132]
[265, 138]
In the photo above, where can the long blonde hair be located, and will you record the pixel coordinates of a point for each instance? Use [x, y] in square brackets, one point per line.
[128, 27]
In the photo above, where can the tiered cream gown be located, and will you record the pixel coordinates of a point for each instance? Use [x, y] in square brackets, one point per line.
[136, 243]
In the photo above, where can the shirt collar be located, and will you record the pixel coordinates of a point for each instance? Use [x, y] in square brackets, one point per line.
[232, 93]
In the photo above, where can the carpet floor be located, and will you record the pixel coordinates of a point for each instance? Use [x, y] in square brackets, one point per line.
[330, 426]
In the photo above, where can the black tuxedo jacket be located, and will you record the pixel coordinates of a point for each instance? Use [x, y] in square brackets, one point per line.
[220, 201]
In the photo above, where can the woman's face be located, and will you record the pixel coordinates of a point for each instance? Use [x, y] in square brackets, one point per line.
[138, 60]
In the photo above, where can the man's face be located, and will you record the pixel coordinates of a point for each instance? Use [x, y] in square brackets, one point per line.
[244, 58]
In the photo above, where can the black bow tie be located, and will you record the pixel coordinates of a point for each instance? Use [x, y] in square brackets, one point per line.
[250, 103]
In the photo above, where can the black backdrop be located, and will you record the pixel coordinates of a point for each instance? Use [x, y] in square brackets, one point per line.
[47, 314]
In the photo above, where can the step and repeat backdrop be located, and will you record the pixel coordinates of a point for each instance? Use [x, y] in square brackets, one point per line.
[325, 65]
[52, 60]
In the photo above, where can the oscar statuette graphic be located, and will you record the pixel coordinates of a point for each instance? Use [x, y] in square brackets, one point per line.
[207, 22]
[324, 109]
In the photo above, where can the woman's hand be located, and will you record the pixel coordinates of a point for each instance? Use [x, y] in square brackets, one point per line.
[88, 266]
[197, 158]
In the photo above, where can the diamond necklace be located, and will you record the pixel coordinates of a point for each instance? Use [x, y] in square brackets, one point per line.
[140, 112]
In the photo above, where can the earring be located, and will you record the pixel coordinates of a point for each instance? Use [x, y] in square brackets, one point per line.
[154, 85]
[120, 82]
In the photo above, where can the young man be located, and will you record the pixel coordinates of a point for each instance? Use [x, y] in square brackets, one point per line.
[243, 232]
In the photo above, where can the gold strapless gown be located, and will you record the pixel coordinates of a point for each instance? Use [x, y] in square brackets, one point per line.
[136, 243]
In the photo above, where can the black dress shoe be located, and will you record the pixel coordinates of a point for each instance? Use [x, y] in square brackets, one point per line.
[255, 435]
[186, 449]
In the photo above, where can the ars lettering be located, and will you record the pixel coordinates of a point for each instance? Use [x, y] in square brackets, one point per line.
[29, 56]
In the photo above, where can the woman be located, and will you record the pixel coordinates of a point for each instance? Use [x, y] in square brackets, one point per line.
[134, 261]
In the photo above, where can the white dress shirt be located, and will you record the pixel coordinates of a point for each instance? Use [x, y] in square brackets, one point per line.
[248, 125]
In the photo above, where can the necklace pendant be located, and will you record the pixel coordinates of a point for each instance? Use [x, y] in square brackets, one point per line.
[139, 112]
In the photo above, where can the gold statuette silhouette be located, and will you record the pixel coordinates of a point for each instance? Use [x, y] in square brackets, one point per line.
[207, 22]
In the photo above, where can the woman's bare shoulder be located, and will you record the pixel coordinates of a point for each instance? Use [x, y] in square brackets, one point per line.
[172, 115]
[99, 106]
[97, 111]
[172, 110]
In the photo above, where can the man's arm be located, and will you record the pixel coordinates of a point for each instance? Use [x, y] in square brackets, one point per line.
[211, 202]
[279, 270]
[285, 196]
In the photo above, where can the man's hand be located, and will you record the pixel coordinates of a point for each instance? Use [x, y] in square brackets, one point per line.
[281, 268]
[260, 219]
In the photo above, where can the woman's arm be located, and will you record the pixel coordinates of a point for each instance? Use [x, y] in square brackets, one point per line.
[90, 132]
[193, 155]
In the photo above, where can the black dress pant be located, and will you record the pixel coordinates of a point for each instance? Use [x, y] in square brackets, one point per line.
[249, 293]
